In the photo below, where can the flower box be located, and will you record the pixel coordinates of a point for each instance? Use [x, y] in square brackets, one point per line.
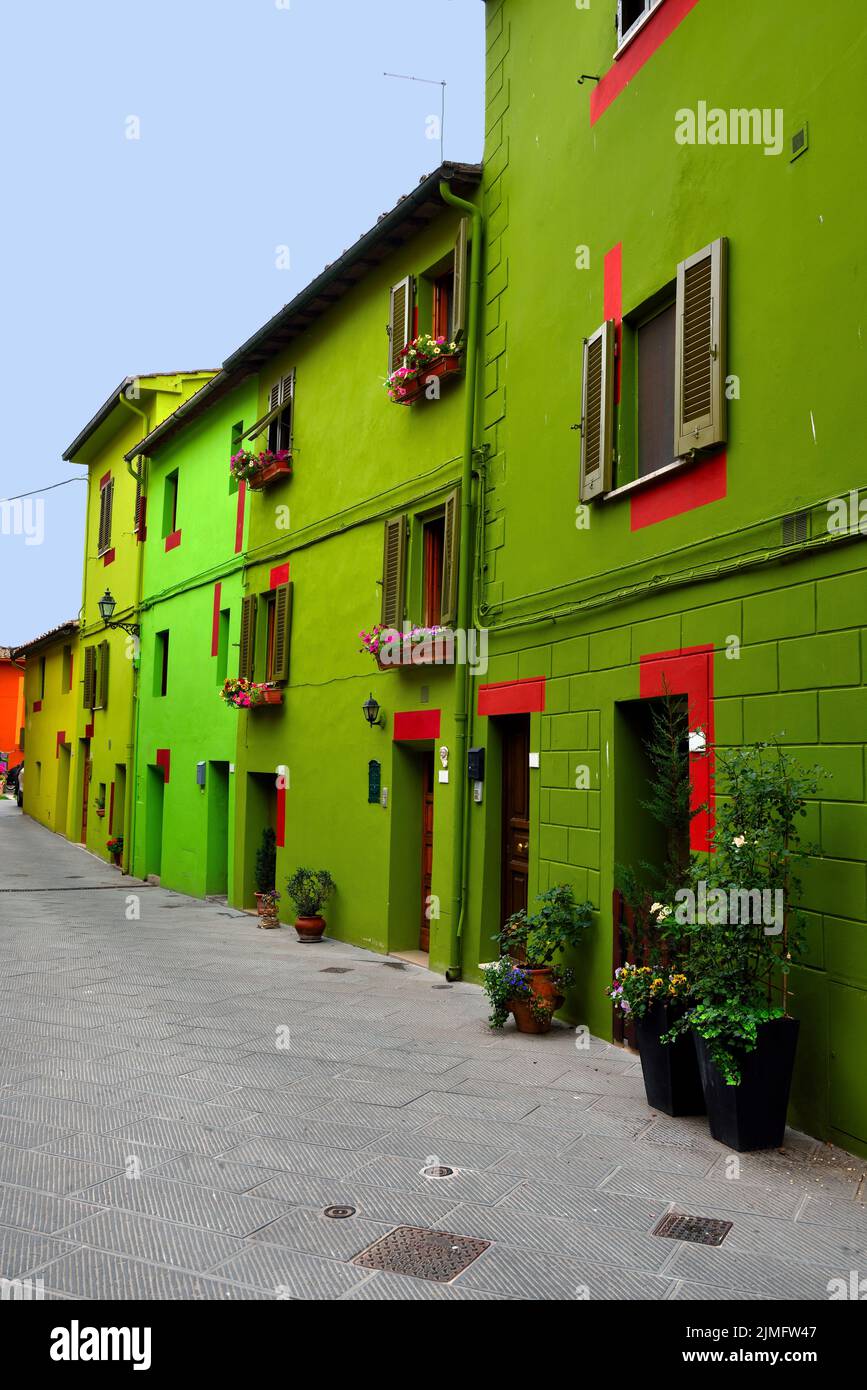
[271, 473]
[412, 647]
[240, 693]
[440, 367]
[267, 697]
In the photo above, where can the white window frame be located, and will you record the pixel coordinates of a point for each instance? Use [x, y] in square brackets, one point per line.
[623, 40]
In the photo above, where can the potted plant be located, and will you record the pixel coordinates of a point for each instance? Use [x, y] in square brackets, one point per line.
[744, 935]
[309, 890]
[652, 990]
[266, 904]
[524, 981]
[99, 803]
[423, 358]
[265, 872]
[115, 848]
[258, 470]
[240, 693]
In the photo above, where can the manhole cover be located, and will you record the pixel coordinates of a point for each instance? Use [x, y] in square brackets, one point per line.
[422, 1254]
[700, 1230]
[437, 1170]
[335, 970]
[339, 1213]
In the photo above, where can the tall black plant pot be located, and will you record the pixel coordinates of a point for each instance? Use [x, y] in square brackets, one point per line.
[671, 1078]
[753, 1114]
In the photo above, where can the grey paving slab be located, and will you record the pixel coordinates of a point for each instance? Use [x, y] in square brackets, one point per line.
[94, 1274]
[468, 1185]
[23, 1251]
[217, 1173]
[228, 1213]
[285, 1273]
[527, 1274]
[148, 1238]
[396, 1206]
[313, 1233]
[48, 1172]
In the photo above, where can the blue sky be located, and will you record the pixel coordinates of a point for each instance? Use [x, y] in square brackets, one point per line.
[262, 124]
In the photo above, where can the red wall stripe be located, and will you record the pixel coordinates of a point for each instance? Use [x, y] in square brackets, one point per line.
[108, 557]
[61, 738]
[163, 759]
[612, 304]
[281, 817]
[215, 624]
[663, 22]
[173, 541]
[513, 697]
[689, 672]
[417, 724]
[37, 706]
[279, 575]
[106, 478]
[681, 492]
[88, 731]
[239, 517]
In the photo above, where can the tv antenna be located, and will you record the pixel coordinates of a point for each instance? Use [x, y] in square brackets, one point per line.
[428, 82]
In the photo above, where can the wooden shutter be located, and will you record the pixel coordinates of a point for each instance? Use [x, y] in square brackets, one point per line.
[274, 398]
[459, 303]
[282, 631]
[247, 652]
[394, 572]
[102, 676]
[700, 350]
[106, 496]
[89, 692]
[399, 320]
[597, 421]
[451, 545]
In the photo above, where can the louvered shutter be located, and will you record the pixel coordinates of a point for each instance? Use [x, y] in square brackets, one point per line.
[459, 304]
[597, 422]
[399, 319]
[700, 350]
[138, 501]
[106, 496]
[89, 684]
[247, 652]
[282, 631]
[451, 545]
[102, 676]
[394, 572]
[274, 398]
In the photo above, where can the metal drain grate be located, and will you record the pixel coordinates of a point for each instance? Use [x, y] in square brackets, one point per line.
[700, 1230]
[422, 1254]
[338, 1213]
[335, 970]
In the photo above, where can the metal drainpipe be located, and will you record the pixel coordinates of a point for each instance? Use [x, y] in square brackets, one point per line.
[463, 687]
[132, 778]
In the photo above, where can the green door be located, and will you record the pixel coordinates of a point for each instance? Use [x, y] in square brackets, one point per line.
[848, 1102]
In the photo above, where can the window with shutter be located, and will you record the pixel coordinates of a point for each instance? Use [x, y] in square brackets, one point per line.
[280, 428]
[399, 322]
[700, 350]
[106, 496]
[246, 654]
[394, 572]
[89, 683]
[282, 630]
[451, 544]
[459, 295]
[102, 676]
[597, 423]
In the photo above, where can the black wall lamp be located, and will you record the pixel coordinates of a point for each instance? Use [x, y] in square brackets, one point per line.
[106, 606]
[373, 714]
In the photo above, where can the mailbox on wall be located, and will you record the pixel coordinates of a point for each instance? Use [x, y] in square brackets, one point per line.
[476, 764]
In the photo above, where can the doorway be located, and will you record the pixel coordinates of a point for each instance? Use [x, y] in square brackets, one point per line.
[217, 852]
[427, 828]
[86, 771]
[156, 788]
[260, 814]
[119, 802]
[515, 856]
[63, 754]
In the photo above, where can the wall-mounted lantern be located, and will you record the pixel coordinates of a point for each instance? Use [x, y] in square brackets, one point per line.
[106, 606]
[373, 714]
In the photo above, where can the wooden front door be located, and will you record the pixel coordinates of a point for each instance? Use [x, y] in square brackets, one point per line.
[516, 814]
[85, 791]
[427, 824]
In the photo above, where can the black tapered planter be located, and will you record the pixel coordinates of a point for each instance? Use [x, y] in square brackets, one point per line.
[753, 1114]
[671, 1078]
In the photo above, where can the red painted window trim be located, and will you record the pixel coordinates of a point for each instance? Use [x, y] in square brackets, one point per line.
[513, 697]
[694, 486]
[108, 557]
[61, 738]
[279, 575]
[612, 304]
[662, 23]
[163, 759]
[410, 725]
[88, 731]
[36, 707]
[689, 672]
[173, 541]
[239, 517]
[106, 478]
[281, 818]
[215, 622]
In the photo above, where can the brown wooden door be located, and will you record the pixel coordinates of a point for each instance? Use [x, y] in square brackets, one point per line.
[427, 824]
[85, 792]
[516, 814]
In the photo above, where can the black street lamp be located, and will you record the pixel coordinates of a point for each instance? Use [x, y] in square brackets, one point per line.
[106, 606]
[372, 713]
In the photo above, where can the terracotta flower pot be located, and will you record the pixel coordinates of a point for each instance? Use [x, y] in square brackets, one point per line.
[272, 472]
[268, 697]
[543, 988]
[310, 928]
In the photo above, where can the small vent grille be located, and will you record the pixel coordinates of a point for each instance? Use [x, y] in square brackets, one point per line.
[593, 409]
[800, 141]
[697, 346]
[699, 1230]
[795, 528]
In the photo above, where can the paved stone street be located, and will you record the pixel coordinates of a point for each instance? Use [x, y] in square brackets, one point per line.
[158, 1141]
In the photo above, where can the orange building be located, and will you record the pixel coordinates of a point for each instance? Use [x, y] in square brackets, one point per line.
[11, 710]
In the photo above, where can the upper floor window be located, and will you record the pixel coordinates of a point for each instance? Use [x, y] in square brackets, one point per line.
[106, 502]
[170, 504]
[631, 15]
[280, 401]
[95, 676]
[426, 573]
[161, 663]
[66, 670]
[266, 627]
[436, 303]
